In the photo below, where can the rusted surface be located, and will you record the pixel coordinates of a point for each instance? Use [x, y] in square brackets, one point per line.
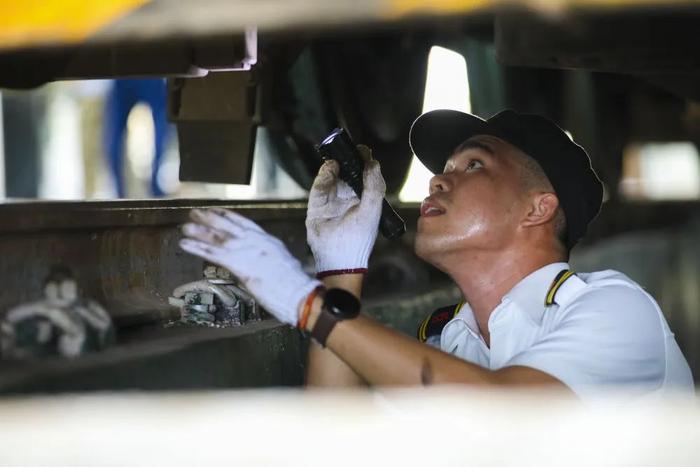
[124, 254]
[31, 215]
[262, 354]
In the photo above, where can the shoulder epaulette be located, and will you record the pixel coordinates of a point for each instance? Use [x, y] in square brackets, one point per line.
[564, 276]
[433, 324]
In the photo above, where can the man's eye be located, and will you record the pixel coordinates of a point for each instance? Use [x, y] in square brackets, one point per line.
[474, 164]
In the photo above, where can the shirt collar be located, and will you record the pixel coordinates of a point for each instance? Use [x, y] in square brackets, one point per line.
[467, 315]
[529, 294]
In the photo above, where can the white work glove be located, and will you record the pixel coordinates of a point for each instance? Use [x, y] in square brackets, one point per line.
[341, 228]
[261, 262]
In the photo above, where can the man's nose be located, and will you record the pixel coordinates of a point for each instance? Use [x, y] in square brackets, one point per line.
[438, 183]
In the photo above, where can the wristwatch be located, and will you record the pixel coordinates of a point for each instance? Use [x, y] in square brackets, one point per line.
[338, 305]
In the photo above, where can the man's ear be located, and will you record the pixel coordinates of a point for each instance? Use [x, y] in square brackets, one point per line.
[542, 209]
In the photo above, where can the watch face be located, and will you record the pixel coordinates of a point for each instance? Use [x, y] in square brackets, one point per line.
[341, 304]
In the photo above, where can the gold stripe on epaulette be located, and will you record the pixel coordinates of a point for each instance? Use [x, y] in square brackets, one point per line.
[423, 327]
[556, 283]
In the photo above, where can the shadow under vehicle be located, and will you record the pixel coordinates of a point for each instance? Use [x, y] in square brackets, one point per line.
[612, 73]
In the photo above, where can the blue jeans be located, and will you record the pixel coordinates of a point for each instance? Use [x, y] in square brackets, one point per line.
[122, 97]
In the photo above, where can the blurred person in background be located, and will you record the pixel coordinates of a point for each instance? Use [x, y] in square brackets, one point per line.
[122, 97]
[511, 197]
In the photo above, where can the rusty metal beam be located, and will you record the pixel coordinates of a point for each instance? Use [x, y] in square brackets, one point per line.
[125, 254]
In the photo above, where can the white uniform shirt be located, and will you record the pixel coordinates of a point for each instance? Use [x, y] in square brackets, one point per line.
[601, 331]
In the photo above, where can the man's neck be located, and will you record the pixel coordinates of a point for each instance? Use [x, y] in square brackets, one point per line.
[485, 278]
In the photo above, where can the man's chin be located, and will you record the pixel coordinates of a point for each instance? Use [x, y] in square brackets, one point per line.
[422, 248]
[432, 249]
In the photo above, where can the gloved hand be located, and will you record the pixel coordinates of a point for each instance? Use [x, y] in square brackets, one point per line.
[341, 228]
[260, 261]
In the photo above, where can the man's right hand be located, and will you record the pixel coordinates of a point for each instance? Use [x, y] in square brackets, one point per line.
[341, 228]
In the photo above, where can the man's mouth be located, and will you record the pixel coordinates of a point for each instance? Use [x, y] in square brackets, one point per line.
[429, 208]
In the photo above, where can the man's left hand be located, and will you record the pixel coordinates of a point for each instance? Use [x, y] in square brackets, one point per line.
[260, 261]
[341, 228]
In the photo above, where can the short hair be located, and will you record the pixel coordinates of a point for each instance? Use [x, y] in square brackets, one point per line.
[532, 177]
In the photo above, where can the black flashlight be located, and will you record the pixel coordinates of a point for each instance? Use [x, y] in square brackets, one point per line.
[339, 147]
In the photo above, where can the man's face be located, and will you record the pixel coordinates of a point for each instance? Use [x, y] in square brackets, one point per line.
[476, 204]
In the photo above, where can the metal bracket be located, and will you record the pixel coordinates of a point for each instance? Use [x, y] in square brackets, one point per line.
[216, 125]
[215, 301]
[62, 323]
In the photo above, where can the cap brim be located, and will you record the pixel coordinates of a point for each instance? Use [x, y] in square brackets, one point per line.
[436, 134]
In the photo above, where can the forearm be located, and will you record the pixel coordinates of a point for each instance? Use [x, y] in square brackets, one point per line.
[382, 356]
[325, 368]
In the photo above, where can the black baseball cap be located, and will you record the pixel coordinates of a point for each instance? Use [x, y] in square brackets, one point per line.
[436, 134]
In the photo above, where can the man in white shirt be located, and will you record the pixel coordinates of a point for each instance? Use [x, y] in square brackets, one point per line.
[512, 196]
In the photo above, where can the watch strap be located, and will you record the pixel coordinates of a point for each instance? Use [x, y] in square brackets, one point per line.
[325, 323]
[338, 305]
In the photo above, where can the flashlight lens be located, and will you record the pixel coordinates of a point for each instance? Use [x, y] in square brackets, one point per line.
[329, 139]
